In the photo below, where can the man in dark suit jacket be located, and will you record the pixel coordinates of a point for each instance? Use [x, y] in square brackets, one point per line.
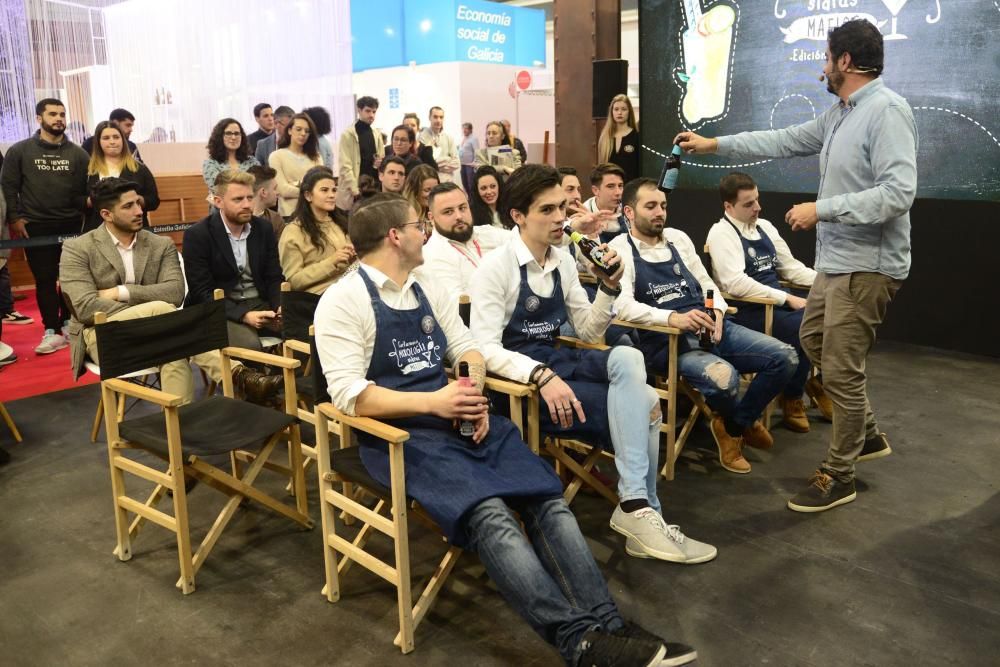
[128, 272]
[233, 251]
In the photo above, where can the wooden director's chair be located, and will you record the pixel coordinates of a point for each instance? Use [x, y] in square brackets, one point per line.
[341, 475]
[184, 434]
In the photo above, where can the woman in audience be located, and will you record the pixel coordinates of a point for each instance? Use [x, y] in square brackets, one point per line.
[425, 153]
[298, 152]
[321, 119]
[111, 156]
[483, 197]
[418, 186]
[314, 249]
[228, 148]
[498, 152]
[619, 142]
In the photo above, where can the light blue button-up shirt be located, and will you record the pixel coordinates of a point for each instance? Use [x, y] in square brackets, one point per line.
[868, 178]
[238, 243]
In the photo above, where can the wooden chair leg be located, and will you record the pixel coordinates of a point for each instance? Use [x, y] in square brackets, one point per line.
[10, 423]
[432, 589]
[97, 420]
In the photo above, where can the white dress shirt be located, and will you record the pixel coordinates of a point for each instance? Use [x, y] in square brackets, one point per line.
[450, 264]
[495, 288]
[127, 253]
[729, 262]
[640, 313]
[491, 237]
[613, 226]
[345, 329]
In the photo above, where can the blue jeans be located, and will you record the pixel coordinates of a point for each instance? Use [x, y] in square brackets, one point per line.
[786, 329]
[546, 573]
[618, 404]
[742, 350]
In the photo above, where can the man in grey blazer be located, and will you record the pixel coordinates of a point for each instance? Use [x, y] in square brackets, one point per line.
[128, 273]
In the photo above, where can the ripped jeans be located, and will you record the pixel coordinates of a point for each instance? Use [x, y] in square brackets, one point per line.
[716, 374]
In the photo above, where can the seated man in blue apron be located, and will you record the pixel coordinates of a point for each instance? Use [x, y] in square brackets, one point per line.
[522, 294]
[383, 341]
[665, 283]
[749, 259]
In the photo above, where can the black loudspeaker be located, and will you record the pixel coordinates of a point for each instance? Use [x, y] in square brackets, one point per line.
[610, 79]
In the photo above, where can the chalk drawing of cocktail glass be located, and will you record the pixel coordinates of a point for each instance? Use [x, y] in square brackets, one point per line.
[706, 42]
[894, 6]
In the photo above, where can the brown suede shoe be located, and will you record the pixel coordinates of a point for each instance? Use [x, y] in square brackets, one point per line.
[814, 389]
[793, 414]
[256, 387]
[730, 448]
[757, 436]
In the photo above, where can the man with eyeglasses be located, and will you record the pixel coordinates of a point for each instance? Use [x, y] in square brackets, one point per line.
[383, 338]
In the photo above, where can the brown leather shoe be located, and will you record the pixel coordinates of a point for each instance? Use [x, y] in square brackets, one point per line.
[793, 414]
[757, 436]
[256, 387]
[814, 389]
[730, 448]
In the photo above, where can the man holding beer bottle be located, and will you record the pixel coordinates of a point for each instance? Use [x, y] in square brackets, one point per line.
[522, 293]
[665, 283]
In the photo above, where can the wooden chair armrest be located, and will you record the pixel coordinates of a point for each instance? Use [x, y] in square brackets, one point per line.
[509, 387]
[390, 434]
[156, 396]
[787, 285]
[260, 357]
[763, 300]
[569, 341]
[587, 279]
[297, 345]
[658, 328]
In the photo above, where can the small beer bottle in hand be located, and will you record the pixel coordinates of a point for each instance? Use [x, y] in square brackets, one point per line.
[705, 341]
[592, 250]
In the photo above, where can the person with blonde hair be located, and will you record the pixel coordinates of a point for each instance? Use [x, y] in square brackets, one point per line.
[419, 183]
[112, 157]
[315, 250]
[619, 142]
[499, 152]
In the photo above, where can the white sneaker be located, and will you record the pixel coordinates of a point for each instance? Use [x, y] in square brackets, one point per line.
[651, 537]
[7, 355]
[51, 342]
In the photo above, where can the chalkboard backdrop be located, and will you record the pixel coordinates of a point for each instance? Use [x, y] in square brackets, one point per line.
[726, 66]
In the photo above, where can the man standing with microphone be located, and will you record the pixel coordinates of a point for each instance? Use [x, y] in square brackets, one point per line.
[867, 143]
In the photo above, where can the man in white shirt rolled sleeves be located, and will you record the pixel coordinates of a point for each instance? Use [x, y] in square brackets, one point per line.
[383, 339]
[521, 295]
[749, 259]
[664, 284]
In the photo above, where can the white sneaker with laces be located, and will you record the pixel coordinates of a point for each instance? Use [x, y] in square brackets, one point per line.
[51, 342]
[649, 536]
[7, 355]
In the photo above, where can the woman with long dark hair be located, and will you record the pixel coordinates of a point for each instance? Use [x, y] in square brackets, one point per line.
[488, 228]
[321, 119]
[314, 249]
[298, 152]
[228, 148]
[111, 156]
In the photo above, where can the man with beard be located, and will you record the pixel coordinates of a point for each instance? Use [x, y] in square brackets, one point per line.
[234, 251]
[44, 182]
[452, 253]
[665, 284]
[867, 143]
[129, 273]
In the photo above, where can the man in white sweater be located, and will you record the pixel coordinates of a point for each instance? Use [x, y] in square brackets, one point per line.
[749, 259]
[445, 150]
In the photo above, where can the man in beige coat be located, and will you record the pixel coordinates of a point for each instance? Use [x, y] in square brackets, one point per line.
[128, 273]
[360, 151]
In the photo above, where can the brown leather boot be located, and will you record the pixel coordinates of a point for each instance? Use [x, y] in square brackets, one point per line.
[757, 436]
[256, 387]
[793, 414]
[814, 389]
[730, 448]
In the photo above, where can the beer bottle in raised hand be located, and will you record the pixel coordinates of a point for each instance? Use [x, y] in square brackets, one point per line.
[705, 341]
[592, 250]
[671, 170]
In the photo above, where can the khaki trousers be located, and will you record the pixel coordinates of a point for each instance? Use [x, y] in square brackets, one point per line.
[175, 377]
[837, 333]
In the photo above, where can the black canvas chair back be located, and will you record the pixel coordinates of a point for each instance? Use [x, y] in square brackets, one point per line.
[297, 310]
[319, 380]
[131, 345]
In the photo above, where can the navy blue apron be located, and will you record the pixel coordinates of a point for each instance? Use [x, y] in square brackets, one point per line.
[447, 474]
[667, 285]
[532, 331]
[760, 258]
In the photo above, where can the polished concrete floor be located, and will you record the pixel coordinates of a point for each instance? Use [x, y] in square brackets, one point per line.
[909, 574]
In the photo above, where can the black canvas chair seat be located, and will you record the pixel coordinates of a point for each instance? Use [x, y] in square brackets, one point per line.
[347, 463]
[216, 425]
